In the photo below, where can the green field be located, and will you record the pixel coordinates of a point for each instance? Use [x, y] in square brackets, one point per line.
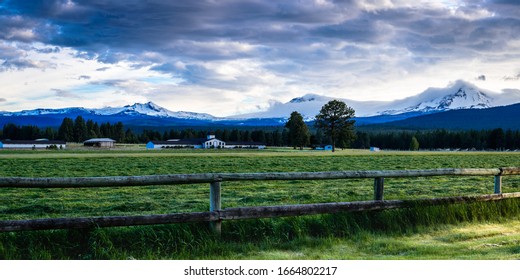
[441, 232]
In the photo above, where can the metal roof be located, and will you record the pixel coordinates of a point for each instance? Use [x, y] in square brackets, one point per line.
[34, 142]
[95, 140]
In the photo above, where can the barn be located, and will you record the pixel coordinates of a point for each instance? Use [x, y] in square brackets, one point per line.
[210, 142]
[195, 143]
[244, 145]
[100, 142]
[32, 144]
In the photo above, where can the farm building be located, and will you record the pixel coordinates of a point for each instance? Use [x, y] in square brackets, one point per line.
[209, 142]
[324, 148]
[245, 145]
[32, 144]
[100, 142]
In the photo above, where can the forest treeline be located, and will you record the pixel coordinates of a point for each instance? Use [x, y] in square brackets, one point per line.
[79, 130]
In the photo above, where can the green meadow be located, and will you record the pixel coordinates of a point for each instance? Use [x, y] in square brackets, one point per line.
[474, 231]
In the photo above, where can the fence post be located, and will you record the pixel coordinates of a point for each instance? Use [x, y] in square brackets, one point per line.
[498, 184]
[378, 188]
[215, 205]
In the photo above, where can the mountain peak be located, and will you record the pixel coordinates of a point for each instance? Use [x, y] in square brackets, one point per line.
[458, 95]
[306, 98]
[148, 108]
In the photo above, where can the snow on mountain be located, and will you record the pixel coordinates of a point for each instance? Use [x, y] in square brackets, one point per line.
[148, 109]
[152, 109]
[458, 95]
[309, 106]
[40, 111]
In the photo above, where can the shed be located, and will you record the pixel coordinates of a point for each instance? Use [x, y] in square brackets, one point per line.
[245, 145]
[100, 142]
[374, 149]
[202, 143]
[32, 144]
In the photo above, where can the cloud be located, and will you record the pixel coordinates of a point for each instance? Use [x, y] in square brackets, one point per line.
[239, 48]
[49, 50]
[512, 78]
[65, 94]
[18, 64]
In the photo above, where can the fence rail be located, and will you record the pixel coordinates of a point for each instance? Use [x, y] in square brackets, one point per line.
[216, 214]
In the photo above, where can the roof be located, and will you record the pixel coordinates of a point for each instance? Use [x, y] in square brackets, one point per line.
[199, 141]
[95, 140]
[244, 143]
[189, 141]
[34, 142]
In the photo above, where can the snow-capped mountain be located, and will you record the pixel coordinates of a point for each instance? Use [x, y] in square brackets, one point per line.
[309, 106]
[151, 109]
[458, 95]
[147, 109]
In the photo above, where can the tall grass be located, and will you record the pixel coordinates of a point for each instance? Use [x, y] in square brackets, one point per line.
[251, 239]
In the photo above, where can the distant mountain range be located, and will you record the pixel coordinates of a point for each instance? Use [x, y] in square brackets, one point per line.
[458, 95]
[458, 106]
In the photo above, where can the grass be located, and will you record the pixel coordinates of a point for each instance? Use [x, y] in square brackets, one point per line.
[449, 232]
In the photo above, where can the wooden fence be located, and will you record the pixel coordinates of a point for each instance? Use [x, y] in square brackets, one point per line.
[216, 214]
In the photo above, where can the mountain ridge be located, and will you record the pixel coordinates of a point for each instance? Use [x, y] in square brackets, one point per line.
[458, 95]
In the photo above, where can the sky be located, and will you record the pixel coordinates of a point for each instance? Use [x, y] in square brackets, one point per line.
[227, 57]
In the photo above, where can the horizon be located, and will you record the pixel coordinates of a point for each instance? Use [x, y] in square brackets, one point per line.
[225, 59]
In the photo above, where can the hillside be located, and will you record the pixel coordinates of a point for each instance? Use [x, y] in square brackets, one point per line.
[506, 117]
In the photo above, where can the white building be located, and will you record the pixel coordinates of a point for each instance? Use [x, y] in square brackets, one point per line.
[100, 142]
[32, 144]
[210, 142]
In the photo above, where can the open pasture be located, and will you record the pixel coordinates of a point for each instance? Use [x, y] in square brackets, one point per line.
[42, 203]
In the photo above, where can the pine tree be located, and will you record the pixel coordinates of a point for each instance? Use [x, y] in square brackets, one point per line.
[66, 130]
[298, 131]
[335, 119]
[414, 144]
[80, 129]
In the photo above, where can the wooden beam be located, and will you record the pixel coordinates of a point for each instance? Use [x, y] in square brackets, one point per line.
[109, 221]
[498, 184]
[215, 205]
[335, 207]
[379, 183]
[510, 171]
[238, 213]
[173, 179]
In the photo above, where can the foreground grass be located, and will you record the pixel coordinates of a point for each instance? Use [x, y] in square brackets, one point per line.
[475, 231]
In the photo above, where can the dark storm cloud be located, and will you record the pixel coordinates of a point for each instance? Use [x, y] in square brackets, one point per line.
[192, 31]
[17, 64]
[48, 50]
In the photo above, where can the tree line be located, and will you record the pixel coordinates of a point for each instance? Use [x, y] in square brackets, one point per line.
[332, 126]
[491, 139]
